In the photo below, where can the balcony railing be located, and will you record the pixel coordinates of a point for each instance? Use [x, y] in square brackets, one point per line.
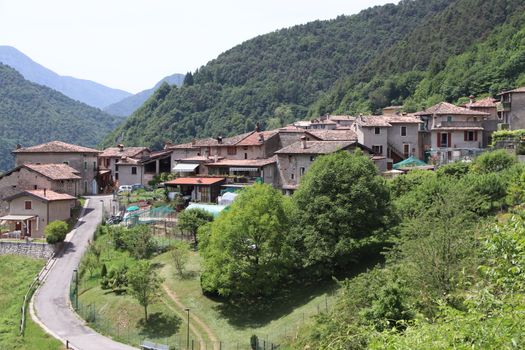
[459, 124]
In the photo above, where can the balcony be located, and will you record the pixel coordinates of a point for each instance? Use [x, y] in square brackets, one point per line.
[503, 106]
[459, 124]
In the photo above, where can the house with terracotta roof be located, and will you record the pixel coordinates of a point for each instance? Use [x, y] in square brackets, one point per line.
[108, 159]
[451, 133]
[511, 109]
[82, 159]
[395, 137]
[31, 211]
[294, 161]
[490, 123]
[197, 189]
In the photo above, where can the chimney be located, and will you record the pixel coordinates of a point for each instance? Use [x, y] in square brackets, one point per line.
[120, 147]
[193, 142]
[261, 138]
[45, 192]
[257, 127]
[219, 140]
[18, 146]
[168, 144]
[303, 141]
[472, 98]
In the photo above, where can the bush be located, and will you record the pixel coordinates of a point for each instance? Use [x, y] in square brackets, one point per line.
[56, 232]
[495, 161]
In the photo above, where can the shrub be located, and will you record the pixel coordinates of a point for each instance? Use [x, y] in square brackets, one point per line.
[56, 232]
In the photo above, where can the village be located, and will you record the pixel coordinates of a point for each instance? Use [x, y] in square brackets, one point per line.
[48, 178]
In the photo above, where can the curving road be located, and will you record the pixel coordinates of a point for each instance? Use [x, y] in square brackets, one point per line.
[51, 301]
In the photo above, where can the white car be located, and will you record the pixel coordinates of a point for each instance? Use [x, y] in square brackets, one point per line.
[125, 188]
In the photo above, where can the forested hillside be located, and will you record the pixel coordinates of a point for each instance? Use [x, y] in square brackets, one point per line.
[130, 104]
[273, 78]
[31, 114]
[471, 47]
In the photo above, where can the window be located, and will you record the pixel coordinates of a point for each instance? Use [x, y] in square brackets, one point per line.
[116, 176]
[245, 155]
[312, 158]
[302, 170]
[35, 187]
[85, 186]
[378, 150]
[470, 136]
[289, 159]
[85, 165]
[449, 118]
[28, 205]
[66, 162]
[403, 131]
[232, 151]
[133, 170]
[292, 176]
[94, 166]
[116, 167]
[377, 130]
[406, 150]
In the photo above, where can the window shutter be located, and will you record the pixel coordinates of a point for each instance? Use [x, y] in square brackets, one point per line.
[465, 135]
[449, 139]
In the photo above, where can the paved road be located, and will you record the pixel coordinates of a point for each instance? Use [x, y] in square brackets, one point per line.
[51, 302]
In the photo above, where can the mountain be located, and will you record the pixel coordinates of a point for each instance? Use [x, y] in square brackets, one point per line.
[86, 91]
[130, 104]
[350, 64]
[31, 114]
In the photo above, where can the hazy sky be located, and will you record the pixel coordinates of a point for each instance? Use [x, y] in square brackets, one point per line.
[131, 44]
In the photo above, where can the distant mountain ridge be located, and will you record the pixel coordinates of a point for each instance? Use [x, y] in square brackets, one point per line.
[89, 92]
[130, 104]
[31, 114]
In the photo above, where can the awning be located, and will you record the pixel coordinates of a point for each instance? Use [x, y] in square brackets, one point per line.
[14, 217]
[185, 168]
[245, 169]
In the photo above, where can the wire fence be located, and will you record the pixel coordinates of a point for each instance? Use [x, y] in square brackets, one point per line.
[181, 338]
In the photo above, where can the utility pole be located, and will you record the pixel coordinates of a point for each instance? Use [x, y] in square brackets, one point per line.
[188, 329]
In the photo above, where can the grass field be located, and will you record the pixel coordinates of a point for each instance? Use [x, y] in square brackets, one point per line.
[17, 274]
[121, 317]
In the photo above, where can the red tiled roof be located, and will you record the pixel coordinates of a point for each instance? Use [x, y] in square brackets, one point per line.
[257, 138]
[449, 108]
[341, 117]
[54, 171]
[316, 147]
[373, 121]
[126, 151]
[244, 162]
[46, 195]
[195, 181]
[487, 102]
[402, 119]
[128, 161]
[188, 145]
[56, 147]
[334, 135]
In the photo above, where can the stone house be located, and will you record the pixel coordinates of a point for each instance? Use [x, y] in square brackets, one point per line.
[60, 178]
[402, 137]
[294, 161]
[108, 159]
[451, 133]
[490, 123]
[246, 171]
[31, 211]
[511, 109]
[82, 159]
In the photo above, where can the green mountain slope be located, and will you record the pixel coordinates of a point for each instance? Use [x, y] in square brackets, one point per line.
[279, 74]
[394, 76]
[32, 114]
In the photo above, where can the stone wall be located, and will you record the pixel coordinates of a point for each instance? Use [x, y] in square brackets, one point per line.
[34, 250]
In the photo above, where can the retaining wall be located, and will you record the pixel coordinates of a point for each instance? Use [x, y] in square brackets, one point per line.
[34, 250]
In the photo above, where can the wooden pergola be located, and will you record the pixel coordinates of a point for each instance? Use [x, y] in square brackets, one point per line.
[22, 223]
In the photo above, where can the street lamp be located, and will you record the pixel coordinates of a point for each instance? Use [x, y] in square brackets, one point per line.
[188, 329]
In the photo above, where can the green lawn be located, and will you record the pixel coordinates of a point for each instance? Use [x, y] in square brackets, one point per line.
[234, 326]
[17, 274]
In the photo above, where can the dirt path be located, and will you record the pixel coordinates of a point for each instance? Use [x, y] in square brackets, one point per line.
[195, 319]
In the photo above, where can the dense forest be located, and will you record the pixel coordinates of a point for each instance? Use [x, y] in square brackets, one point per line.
[392, 54]
[32, 114]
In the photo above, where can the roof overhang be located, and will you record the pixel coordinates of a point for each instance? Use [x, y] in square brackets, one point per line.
[185, 167]
[15, 217]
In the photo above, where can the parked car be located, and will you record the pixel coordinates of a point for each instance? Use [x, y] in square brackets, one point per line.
[136, 187]
[125, 188]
